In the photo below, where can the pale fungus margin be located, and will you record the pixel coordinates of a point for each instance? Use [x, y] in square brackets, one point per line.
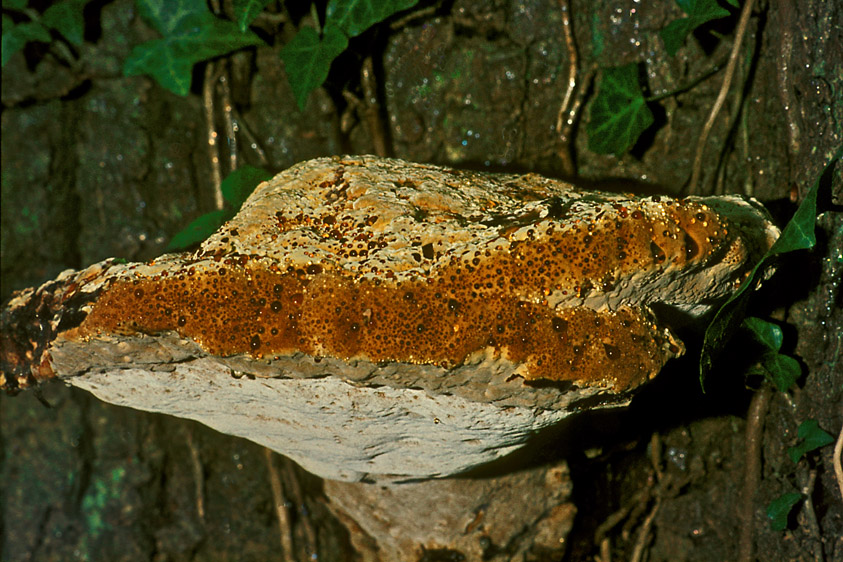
[365, 315]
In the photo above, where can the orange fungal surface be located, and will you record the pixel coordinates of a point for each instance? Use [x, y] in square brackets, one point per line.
[387, 261]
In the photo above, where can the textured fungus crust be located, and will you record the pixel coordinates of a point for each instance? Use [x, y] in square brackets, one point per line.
[364, 257]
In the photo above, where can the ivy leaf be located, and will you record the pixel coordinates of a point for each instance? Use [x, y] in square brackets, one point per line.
[699, 12]
[198, 230]
[812, 436]
[619, 113]
[356, 16]
[236, 188]
[780, 508]
[307, 59]
[166, 16]
[245, 11]
[766, 333]
[240, 183]
[16, 36]
[67, 18]
[191, 34]
[160, 60]
[18, 5]
[782, 370]
[308, 56]
[798, 234]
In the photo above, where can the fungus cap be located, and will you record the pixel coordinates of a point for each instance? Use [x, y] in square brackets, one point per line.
[446, 314]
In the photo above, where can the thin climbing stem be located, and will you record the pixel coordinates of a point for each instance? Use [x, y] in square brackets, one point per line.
[213, 150]
[307, 535]
[784, 72]
[231, 126]
[282, 511]
[752, 471]
[838, 462]
[644, 532]
[243, 127]
[743, 23]
[567, 110]
[689, 86]
[212, 75]
[810, 516]
[372, 108]
[198, 472]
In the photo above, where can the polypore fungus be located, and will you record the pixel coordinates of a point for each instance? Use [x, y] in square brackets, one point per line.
[417, 320]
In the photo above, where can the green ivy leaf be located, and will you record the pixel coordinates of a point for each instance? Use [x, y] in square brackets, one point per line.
[191, 34]
[781, 369]
[167, 16]
[236, 188]
[812, 436]
[16, 36]
[356, 16]
[766, 333]
[798, 234]
[699, 12]
[67, 18]
[240, 183]
[245, 11]
[619, 113]
[780, 508]
[18, 5]
[163, 62]
[674, 35]
[198, 230]
[307, 59]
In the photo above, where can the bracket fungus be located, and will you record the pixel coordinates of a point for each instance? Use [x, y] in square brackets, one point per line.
[365, 315]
